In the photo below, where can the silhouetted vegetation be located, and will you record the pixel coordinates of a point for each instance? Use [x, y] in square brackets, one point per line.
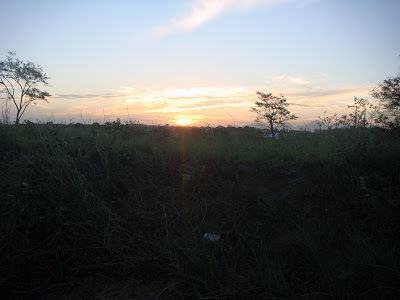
[19, 81]
[388, 93]
[272, 112]
[120, 211]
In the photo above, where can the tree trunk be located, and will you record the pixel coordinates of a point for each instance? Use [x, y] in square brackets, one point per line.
[17, 118]
[271, 124]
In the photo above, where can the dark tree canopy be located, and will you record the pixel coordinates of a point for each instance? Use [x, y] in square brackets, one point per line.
[19, 81]
[271, 110]
[388, 93]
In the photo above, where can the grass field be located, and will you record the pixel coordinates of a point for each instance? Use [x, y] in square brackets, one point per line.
[120, 212]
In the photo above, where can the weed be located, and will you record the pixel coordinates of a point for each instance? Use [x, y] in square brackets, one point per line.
[94, 208]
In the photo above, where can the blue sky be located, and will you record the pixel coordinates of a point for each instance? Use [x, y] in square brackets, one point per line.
[202, 60]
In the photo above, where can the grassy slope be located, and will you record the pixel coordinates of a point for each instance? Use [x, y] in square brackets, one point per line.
[120, 211]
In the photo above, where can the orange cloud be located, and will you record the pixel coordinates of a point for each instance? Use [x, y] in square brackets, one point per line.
[212, 105]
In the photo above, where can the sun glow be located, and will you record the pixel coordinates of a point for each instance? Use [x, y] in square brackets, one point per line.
[183, 122]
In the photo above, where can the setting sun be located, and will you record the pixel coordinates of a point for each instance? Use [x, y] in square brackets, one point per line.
[183, 122]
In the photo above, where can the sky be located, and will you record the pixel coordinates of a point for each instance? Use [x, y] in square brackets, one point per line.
[166, 61]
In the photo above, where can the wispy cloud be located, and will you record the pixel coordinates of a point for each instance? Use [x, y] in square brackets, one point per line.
[292, 80]
[324, 93]
[203, 11]
[84, 96]
[204, 104]
[182, 99]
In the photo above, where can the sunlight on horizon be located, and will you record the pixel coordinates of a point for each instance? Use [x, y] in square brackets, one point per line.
[201, 62]
[184, 122]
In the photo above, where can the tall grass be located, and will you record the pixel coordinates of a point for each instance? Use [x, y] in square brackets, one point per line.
[99, 209]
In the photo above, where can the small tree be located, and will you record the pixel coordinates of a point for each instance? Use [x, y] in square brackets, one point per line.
[388, 93]
[363, 115]
[359, 117]
[19, 81]
[271, 111]
[328, 121]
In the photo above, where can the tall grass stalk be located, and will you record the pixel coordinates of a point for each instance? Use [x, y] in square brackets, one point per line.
[105, 209]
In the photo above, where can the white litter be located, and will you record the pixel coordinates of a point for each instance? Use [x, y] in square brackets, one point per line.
[212, 237]
[270, 136]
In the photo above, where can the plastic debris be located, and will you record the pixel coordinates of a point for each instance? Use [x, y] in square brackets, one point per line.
[212, 237]
[186, 177]
[270, 136]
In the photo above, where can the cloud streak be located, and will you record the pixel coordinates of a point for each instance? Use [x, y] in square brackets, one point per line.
[85, 96]
[203, 11]
[182, 99]
[292, 80]
[205, 104]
